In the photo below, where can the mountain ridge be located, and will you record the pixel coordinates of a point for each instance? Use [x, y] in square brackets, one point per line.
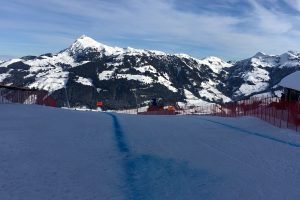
[88, 71]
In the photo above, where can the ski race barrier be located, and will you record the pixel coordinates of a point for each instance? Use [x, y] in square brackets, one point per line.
[278, 112]
[11, 94]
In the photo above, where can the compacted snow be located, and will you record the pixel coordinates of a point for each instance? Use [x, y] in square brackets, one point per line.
[56, 154]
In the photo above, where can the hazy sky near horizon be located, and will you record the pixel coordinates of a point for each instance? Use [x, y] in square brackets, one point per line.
[230, 29]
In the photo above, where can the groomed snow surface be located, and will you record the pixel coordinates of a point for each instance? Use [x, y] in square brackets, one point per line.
[56, 154]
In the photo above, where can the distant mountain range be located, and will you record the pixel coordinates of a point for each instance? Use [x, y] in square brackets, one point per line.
[89, 71]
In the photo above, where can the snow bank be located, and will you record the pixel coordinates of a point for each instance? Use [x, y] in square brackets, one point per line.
[48, 153]
[291, 81]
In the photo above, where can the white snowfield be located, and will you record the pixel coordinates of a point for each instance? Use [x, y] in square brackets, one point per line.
[56, 154]
[291, 81]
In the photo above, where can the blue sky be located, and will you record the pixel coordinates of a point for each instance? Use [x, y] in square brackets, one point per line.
[230, 29]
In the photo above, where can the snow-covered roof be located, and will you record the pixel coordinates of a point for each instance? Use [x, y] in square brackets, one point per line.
[291, 81]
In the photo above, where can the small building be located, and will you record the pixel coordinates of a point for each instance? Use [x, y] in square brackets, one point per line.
[291, 85]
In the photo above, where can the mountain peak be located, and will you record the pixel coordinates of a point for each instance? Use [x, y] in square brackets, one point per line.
[215, 63]
[183, 55]
[86, 42]
[259, 54]
[213, 59]
[83, 36]
[294, 53]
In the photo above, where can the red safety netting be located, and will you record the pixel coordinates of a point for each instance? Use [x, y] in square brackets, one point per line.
[39, 97]
[284, 114]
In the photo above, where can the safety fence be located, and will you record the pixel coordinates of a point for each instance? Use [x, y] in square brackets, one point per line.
[184, 110]
[25, 96]
[283, 114]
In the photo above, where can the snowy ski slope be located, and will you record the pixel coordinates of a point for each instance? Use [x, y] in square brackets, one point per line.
[48, 153]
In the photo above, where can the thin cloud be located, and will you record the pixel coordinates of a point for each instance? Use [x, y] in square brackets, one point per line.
[270, 21]
[159, 24]
[294, 4]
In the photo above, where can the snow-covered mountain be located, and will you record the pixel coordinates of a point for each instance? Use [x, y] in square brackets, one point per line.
[89, 71]
[259, 74]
